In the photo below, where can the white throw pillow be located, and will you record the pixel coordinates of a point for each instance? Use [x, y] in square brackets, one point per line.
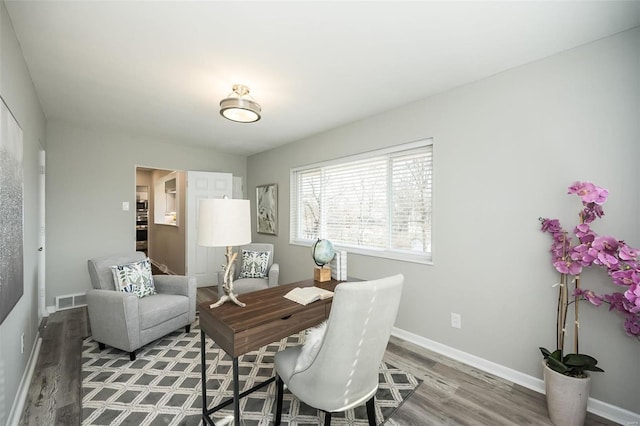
[311, 346]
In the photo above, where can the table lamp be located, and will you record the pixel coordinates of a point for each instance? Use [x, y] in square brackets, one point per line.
[224, 222]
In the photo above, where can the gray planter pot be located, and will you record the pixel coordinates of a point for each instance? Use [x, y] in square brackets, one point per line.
[567, 397]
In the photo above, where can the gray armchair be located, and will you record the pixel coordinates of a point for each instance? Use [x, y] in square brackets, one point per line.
[246, 285]
[339, 369]
[126, 322]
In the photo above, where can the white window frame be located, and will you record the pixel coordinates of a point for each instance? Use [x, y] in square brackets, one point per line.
[404, 255]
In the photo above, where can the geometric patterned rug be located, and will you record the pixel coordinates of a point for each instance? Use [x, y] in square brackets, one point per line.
[162, 386]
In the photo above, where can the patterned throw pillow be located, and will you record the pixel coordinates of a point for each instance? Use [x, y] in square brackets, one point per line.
[134, 278]
[254, 264]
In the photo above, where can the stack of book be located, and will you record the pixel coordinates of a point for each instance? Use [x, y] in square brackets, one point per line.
[339, 266]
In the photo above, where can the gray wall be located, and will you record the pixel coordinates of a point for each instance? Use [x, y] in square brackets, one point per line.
[505, 150]
[18, 92]
[90, 172]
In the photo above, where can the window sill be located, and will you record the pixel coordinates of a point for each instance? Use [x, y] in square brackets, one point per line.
[383, 254]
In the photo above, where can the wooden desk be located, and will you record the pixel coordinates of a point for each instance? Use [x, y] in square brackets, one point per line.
[267, 318]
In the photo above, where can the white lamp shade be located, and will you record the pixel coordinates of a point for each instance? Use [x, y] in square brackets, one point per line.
[224, 222]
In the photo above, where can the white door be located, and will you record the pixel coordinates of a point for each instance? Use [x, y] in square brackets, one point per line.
[204, 262]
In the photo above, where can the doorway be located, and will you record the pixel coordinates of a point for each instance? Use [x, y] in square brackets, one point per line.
[160, 229]
[171, 219]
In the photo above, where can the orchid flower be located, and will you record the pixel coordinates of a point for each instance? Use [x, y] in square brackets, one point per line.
[619, 259]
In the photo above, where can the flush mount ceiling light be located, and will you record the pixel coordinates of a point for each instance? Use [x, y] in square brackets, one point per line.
[239, 106]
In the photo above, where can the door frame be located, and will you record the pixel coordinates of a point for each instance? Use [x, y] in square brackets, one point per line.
[42, 288]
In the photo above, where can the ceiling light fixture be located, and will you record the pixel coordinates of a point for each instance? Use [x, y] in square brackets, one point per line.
[239, 106]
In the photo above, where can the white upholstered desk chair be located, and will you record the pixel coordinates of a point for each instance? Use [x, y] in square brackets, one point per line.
[339, 370]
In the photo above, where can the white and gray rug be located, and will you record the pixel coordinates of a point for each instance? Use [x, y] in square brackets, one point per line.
[162, 386]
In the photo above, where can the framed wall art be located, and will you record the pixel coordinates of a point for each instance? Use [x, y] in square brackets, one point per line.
[11, 197]
[267, 209]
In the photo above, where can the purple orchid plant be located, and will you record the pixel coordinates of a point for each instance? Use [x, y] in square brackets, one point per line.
[621, 261]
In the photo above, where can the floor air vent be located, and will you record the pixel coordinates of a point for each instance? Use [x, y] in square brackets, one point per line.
[70, 301]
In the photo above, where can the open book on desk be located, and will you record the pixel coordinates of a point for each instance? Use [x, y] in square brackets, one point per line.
[306, 295]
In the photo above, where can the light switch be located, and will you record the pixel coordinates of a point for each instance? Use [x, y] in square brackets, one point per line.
[125, 206]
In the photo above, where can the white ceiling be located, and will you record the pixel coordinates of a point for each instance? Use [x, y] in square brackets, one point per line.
[160, 68]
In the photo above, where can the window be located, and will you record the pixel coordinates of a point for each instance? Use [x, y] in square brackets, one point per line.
[378, 203]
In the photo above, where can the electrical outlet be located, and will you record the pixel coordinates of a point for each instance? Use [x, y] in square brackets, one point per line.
[22, 343]
[125, 206]
[456, 320]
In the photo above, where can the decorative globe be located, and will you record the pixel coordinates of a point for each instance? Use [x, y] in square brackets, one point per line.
[322, 252]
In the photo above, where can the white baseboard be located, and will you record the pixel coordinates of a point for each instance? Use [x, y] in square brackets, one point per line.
[23, 388]
[600, 408]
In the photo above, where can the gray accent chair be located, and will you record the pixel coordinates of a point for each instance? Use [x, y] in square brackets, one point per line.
[344, 372]
[126, 322]
[247, 285]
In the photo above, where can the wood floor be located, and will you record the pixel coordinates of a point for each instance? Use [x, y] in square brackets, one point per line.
[451, 393]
